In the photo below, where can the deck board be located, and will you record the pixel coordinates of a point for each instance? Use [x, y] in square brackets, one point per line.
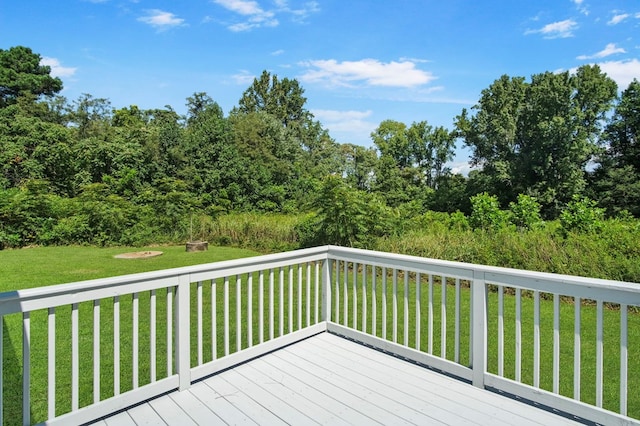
[327, 379]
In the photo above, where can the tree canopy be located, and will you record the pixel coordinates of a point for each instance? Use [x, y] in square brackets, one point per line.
[86, 171]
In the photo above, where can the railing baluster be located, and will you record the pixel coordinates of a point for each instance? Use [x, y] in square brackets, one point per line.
[556, 343]
[199, 323]
[394, 335]
[26, 365]
[238, 313]
[374, 301]
[430, 315]
[317, 295]
[51, 368]
[299, 297]
[308, 311]
[271, 301]
[364, 298]
[96, 351]
[500, 331]
[623, 359]
[536, 339]
[599, 352]
[290, 299]
[75, 358]
[152, 335]
[406, 308]
[384, 303]
[281, 301]
[345, 316]
[336, 309]
[136, 319]
[456, 355]
[249, 309]
[418, 309]
[443, 319]
[261, 306]
[577, 305]
[214, 320]
[354, 289]
[169, 296]
[518, 336]
[345, 289]
[226, 315]
[116, 345]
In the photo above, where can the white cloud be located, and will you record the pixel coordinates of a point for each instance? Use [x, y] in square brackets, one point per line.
[618, 18]
[462, 167]
[57, 70]
[161, 20]
[622, 72]
[560, 29]
[369, 71]
[346, 126]
[243, 7]
[277, 52]
[609, 50]
[244, 78]
[255, 16]
[580, 7]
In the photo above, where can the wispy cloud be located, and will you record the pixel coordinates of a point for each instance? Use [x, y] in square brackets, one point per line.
[57, 70]
[243, 78]
[618, 18]
[253, 15]
[277, 52]
[349, 126]
[366, 71]
[560, 29]
[581, 6]
[161, 20]
[610, 49]
[345, 121]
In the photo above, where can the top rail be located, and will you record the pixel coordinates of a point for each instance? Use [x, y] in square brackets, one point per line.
[55, 295]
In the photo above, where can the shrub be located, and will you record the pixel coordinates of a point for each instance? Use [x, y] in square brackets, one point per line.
[581, 215]
[525, 213]
[486, 213]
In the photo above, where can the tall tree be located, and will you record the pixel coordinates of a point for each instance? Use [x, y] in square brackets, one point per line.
[281, 98]
[538, 137]
[617, 179]
[21, 73]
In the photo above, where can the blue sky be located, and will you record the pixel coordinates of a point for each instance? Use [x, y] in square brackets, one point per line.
[359, 61]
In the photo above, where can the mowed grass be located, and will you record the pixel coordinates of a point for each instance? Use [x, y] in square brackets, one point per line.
[42, 266]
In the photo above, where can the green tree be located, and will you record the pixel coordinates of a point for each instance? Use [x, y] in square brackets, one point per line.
[538, 137]
[282, 99]
[617, 180]
[21, 73]
[431, 148]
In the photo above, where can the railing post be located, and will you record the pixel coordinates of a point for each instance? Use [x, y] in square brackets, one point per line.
[479, 306]
[182, 336]
[326, 289]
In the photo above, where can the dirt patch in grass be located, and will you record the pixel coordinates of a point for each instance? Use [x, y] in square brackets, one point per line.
[138, 255]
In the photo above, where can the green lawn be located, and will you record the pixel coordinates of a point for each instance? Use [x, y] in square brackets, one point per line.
[40, 266]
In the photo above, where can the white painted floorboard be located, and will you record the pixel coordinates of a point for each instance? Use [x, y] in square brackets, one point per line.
[330, 380]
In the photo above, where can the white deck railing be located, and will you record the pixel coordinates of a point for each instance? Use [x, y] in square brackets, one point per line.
[75, 352]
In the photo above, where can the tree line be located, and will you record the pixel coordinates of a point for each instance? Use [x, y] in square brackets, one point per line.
[83, 171]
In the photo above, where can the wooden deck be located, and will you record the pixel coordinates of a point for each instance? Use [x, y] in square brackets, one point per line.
[327, 379]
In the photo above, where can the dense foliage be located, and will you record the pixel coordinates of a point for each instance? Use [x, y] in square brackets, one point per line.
[560, 146]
